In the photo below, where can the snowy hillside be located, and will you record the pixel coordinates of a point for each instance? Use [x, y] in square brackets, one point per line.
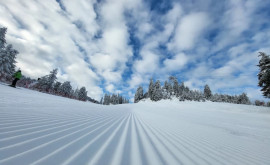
[37, 128]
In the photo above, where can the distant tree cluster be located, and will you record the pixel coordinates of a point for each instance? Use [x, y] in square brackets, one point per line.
[113, 99]
[7, 57]
[172, 88]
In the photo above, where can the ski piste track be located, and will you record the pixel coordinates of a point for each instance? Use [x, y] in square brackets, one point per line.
[37, 128]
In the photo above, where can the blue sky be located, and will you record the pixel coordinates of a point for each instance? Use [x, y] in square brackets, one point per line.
[116, 45]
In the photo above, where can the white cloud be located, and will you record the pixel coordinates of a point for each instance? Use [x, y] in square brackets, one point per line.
[110, 88]
[136, 80]
[83, 14]
[239, 17]
[189, 30]
[176, 63]
[148, 64]
[103, 62]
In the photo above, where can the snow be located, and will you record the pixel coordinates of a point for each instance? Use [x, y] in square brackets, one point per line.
[37, 128]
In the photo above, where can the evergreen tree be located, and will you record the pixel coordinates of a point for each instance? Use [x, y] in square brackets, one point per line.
[167, 90]
[113, 99]
[46, 83]
[106, 99]
[157, 93]
[76, 94]
[65, 89]
[121, 100]
[166, 86]
[52, 78]
[3, 32]
[207, 92]
[243, 99]
[181, 89]
[56, 86]
[151, 89]
[7, 61]
[264, 74]
[197, 96]
[138, 94]
[101, 100]
[175, 85]
[82, 95]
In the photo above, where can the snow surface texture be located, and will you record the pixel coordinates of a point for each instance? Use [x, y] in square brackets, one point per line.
[37, 128]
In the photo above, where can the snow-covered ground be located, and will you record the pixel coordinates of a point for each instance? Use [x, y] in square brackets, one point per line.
[37, 128]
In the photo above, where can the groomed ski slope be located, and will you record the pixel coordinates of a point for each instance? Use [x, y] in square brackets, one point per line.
[37, 128]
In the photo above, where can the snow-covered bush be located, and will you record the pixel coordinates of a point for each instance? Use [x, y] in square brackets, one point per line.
[259, 103]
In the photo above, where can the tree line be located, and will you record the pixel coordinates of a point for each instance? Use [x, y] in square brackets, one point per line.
[113, 99]
[173, 89]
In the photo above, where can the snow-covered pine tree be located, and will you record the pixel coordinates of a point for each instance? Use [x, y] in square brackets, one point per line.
[157, 93]
[51, 79]
[120, 99]
[198, 95]
[76, 94]
[106, 100]
[56, 87]
[181, 88]
[41, 84]
[113, 99]
[72, 93]
[165, 86]
[151, 89]
[264, 74]
[101, 100]
[65, 89]
[3, 31]
[139, 94]
[243, 99]
[7, 61]
[175, 85]
[82, 95]
[46, 83]
[167, 90]
[207, 92]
